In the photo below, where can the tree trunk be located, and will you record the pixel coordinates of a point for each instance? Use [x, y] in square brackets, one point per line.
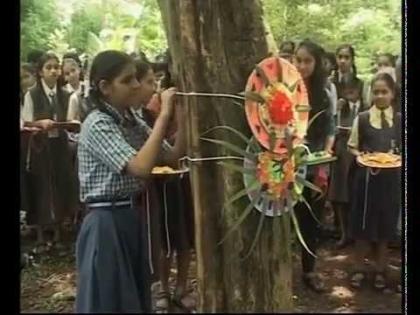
[214, 46]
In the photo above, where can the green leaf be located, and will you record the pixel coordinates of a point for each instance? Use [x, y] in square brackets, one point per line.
[280, 73]
[289, 142]
[314, 117]
[272, 140]
[302, 199]
[244, 214]
[232, 148]
[259, 229]
[238, 133]
[308, 184]
[298, 233]
[241, 105]
[261, 74]
[254, 144]
[255, 185]
[303, 108]
[249, 95]
[237, 168]
[292, 88]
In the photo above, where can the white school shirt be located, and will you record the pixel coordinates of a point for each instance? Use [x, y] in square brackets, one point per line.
[28, 107]
[356, 104]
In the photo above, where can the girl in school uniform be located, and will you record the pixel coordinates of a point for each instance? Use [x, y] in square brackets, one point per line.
[338, 193]
[27, 80]
[385, 63]
[346, 65]
[320, 136]
[175, 213]
[116, 155]
[376, 194]
[50, 180]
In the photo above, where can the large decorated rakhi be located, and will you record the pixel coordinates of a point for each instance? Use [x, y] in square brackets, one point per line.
[275, 159]
[276, 100]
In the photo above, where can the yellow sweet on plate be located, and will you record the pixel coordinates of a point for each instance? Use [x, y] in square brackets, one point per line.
[381, 158]
[163, 170]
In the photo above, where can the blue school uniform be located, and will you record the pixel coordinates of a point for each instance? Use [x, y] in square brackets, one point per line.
[111, 251]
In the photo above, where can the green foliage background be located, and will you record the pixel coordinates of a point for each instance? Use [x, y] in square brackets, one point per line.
[372, 26]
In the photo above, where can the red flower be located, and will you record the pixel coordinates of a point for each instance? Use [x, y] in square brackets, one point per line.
[280, 108]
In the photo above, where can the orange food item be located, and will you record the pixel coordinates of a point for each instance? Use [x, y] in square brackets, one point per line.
[162, 170]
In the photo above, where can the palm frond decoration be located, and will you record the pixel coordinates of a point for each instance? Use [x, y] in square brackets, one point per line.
[275, 159]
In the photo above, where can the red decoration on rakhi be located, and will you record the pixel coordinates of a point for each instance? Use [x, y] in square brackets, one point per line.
[276, 99]
[280, 108]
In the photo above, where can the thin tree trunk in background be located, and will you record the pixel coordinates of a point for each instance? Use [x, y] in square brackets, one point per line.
[214, 46]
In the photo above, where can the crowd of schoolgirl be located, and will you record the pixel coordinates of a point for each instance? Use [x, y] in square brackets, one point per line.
[123, 120]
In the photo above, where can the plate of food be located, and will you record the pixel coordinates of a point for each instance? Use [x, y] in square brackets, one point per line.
[320, 157]
[68, 125]
[380, 160]
[167, 171]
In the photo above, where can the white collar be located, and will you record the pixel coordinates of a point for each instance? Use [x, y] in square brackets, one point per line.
[356, 104]
[70, 89]
[47, 89]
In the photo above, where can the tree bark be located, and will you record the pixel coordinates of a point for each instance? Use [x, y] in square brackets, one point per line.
[214, 46]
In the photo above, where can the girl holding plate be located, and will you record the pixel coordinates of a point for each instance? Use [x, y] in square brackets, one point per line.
[376, 192]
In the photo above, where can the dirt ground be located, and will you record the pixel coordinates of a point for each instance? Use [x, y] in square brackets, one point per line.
[48, 283]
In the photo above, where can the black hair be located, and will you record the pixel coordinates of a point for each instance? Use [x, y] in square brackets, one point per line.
[352, 54]
[74, 56]
[68, 59]
[330, 56]
[317, 81]
[141, 69]
[34, 56]
[28, 67]
[389, 81]
[42, 61]
[106, 65]
[390, 57]
[166, 82]
[316, 85]
[142, 56]
[285, 45]
[350, 82]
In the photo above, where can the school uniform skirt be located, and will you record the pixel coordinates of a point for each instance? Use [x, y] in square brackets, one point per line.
[51, 181]
[176, 214]
[111, 259]
[375, 204]
[339, 187]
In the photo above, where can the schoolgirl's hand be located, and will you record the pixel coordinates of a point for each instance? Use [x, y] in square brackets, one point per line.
[45, 124]
[340, 104]
[167, 101]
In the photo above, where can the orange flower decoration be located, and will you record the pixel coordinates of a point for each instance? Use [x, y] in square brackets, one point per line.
[280, 108]
[275, 172]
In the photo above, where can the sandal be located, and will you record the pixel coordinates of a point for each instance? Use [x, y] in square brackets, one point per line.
[379, 282]
[162, 301]
[314, 282]
[357, 279]
[178, 301]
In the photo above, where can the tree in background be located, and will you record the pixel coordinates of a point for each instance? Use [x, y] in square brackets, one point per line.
[38, 19]
[88, 18]
[214, 47]
[371, 26]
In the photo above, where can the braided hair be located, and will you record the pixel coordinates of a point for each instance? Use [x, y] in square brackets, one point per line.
[352, 52]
